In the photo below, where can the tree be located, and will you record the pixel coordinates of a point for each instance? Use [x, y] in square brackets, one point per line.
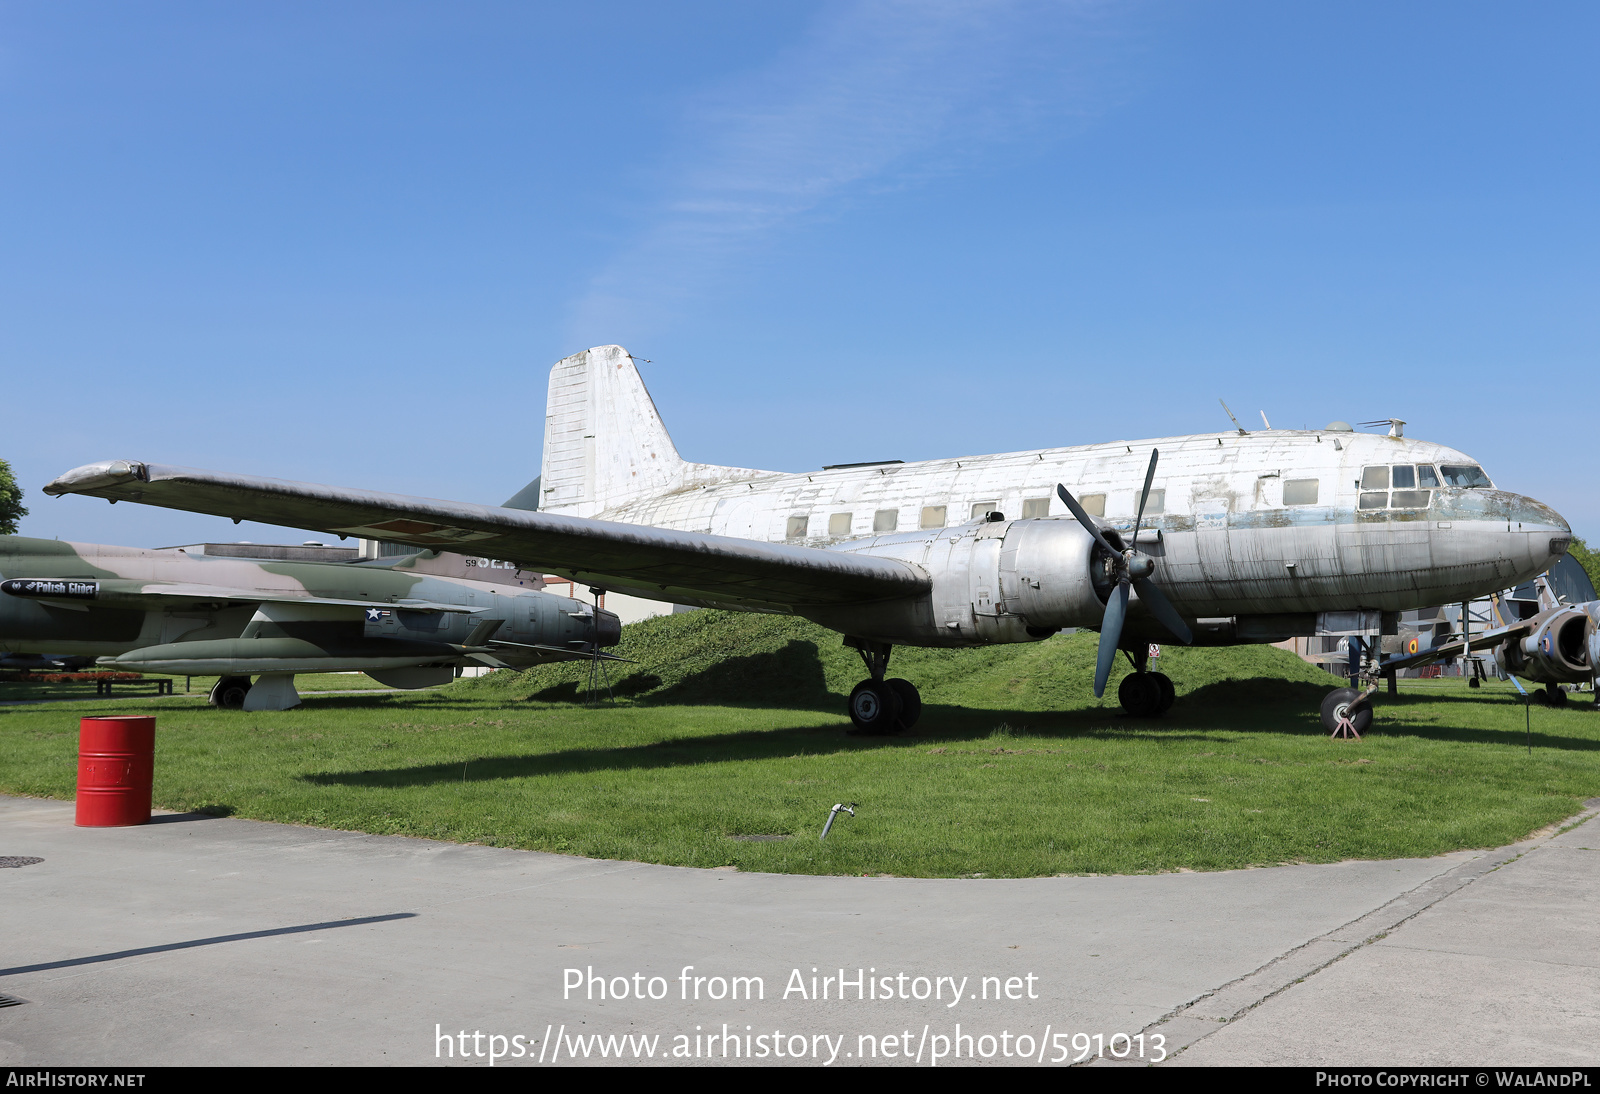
[1588, 558]
[11, 509]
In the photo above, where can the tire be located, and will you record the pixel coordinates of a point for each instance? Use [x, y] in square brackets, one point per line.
[1554, 696]
[229, 692]
[1140, 694]
[1334, 704]
[910, 702]
[1169, 694]
[874, 709]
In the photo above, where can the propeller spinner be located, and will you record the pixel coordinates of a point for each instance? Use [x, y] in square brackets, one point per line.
[1133, 567]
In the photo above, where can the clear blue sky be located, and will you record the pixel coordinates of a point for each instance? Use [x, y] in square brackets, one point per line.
[345, 241]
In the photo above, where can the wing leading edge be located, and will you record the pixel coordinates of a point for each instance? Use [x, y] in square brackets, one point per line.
[652, 562]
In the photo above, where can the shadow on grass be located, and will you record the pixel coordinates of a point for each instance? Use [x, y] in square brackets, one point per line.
[940, 725]
[1265, 705]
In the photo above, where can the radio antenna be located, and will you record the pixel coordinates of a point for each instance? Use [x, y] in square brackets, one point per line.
[1236, 425]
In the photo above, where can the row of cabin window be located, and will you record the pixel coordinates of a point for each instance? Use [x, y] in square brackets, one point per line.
[937, 516]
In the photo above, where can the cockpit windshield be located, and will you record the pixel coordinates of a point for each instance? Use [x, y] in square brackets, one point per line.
[1464, 475]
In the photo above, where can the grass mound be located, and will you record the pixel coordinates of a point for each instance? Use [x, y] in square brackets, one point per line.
[735, 658]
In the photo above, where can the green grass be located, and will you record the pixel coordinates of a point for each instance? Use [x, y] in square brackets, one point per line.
[1015, 769]
[198, 685]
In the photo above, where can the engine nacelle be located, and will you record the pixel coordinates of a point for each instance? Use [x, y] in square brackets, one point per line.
[1556, 650]
[999, 581]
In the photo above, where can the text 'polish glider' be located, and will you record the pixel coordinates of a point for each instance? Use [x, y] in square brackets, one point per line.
[1244, 537]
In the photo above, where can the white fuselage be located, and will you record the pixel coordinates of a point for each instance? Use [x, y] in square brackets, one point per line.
[1231, 543]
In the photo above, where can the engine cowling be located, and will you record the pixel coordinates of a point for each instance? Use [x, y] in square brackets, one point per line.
[1556, 650]
[999, 581]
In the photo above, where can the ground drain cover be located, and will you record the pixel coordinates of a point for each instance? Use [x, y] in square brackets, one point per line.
[17, 860]
[757, 839]
[11, 1001]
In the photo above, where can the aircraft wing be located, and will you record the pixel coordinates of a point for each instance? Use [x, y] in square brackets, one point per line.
[1484, 641]
[653, 562]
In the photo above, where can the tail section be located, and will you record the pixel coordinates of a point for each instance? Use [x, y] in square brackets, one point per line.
[604, 443]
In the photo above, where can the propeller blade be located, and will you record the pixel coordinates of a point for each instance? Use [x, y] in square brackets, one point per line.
[1160, 607]
[1083, 519]
[1149, 477]
[1110, 634]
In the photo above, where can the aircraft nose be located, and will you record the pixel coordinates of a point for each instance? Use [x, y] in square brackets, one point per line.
[1537, 535]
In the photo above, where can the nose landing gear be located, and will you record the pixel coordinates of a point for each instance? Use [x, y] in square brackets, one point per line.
[879, 706]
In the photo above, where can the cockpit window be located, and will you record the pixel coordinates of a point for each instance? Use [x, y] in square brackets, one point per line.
[1464, 475]
[1426, 476]
[1404, 477]
[1375, 478]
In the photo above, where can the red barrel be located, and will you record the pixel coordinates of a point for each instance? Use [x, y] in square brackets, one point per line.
[116, 766]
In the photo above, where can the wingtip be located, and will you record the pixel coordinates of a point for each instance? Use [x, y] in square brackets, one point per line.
[95, 476]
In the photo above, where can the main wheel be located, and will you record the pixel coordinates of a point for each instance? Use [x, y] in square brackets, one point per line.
[1337, 703]
[875, 708]
[1140, 694]
[1554, 696]
[229, 692]
[910, 702]
[1169, 694]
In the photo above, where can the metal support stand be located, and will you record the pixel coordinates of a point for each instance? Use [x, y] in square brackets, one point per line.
[1346, 727]
[597, 667]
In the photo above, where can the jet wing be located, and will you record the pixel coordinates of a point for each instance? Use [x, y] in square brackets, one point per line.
[653, 562]
[1486, 640]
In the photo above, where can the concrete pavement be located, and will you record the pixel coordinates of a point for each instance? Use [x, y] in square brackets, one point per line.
[200, 940]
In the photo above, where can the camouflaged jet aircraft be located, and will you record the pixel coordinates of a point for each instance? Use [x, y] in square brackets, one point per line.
[408, 621]
[1229, 538]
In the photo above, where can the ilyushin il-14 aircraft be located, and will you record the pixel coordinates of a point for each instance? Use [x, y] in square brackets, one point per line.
[1216, 539]
[407, 621]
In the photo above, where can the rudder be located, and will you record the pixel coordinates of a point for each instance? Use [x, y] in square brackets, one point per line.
[604, 441]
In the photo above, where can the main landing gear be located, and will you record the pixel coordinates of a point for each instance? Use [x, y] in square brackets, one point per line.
[1145, 694]
[879, 706]
[229, 692]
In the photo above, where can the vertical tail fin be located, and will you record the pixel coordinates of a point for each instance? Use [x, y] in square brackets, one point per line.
[604, 443]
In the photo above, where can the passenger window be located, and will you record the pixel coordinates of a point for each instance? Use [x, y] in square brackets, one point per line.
[981, 509]
[1033, 508]
[1380, 500]
[886, 520]
[1300, 491]
[933, 516]
[1093, 504]
[797, 527]
[1426, 476]
[839, 524]
[1404, 477]
[1156, 504]
[1374, 478]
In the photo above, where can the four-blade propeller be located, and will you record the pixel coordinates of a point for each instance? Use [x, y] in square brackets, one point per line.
[1133, 567]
